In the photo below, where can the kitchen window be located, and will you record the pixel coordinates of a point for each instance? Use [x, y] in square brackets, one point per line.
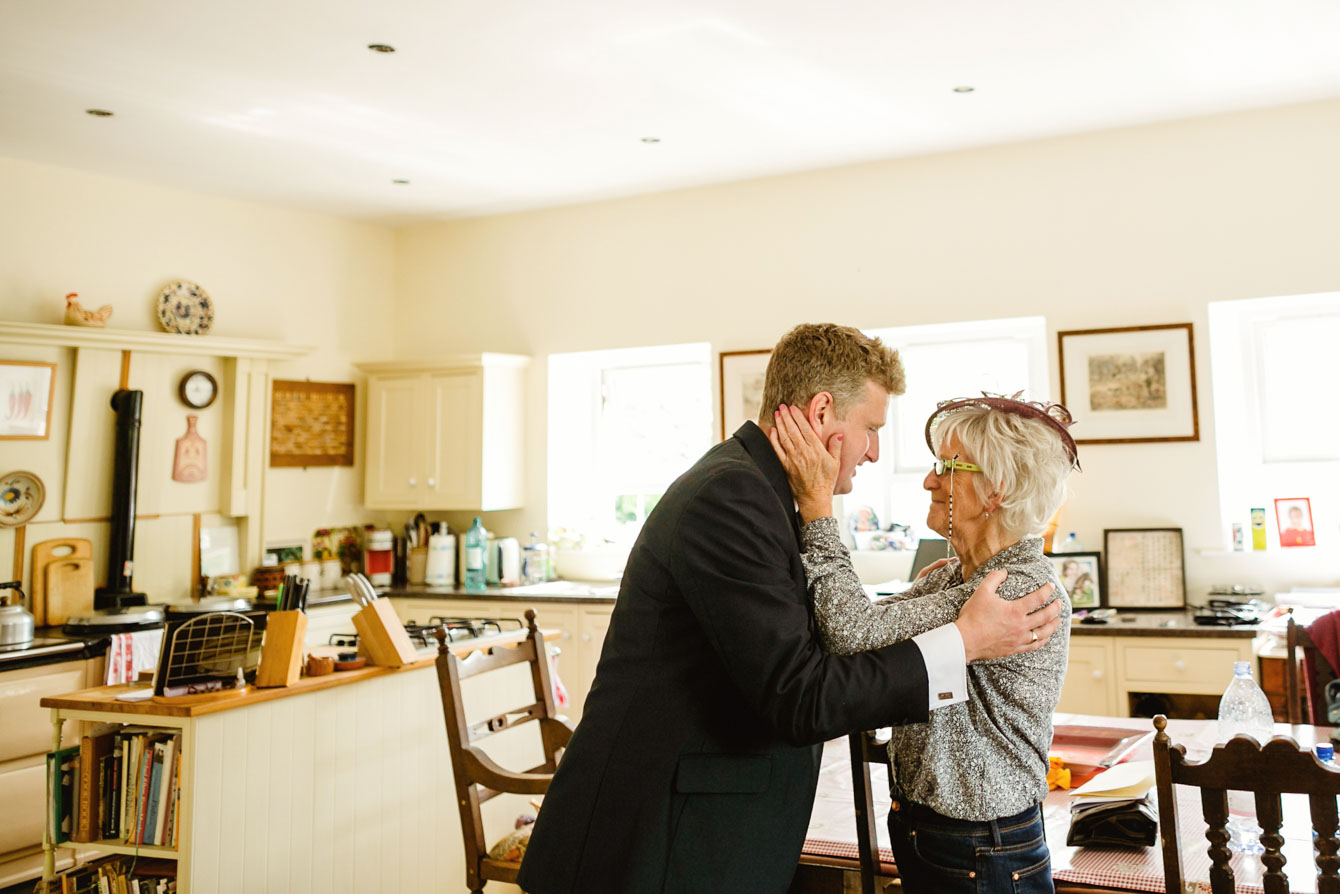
[623, 424]
[1276, 433]
[943, 361]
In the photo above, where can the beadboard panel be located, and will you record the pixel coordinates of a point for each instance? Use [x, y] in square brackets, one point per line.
[342, 790]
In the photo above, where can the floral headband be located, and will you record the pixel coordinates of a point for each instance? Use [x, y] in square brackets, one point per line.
[1054, 415]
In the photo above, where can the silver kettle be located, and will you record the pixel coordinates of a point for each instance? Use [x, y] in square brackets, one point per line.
[16, 622]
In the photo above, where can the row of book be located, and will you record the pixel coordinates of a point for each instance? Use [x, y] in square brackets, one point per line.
[120, 785]
[114, 875]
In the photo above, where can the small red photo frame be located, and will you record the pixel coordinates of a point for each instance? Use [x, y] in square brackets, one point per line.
[1293, 515]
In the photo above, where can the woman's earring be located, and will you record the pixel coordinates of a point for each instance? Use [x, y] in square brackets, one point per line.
[986, 514]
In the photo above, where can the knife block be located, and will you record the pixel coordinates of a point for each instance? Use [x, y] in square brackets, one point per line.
[384, 637]
[281, 653]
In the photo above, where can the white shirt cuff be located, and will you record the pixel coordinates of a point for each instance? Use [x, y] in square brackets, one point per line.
[946, 665]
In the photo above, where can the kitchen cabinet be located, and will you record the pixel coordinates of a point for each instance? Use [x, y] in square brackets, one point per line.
[446, 435]
[1104, 672]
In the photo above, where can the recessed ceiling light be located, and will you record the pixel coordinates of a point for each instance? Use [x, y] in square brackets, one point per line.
[964, 89]
[651, 139]
[98, 113]
[381, 48]
[400, 182]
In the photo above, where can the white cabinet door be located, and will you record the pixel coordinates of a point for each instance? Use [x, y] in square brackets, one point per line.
[454, 441]
[595, 624]
[1090, 678]
[394, 478]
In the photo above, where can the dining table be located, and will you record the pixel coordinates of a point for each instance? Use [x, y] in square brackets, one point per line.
[831, 849]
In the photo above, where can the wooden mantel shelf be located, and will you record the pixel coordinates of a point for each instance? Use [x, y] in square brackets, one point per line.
[103, 699]
[59, 335]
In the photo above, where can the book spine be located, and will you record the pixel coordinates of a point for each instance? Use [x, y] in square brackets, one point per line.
[114, 814]
[155, 783]
[84, 826]
[142, 790]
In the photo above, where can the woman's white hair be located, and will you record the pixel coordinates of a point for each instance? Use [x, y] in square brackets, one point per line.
[1023, 461]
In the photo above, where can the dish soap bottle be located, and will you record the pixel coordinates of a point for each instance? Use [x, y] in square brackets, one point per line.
[475, 541]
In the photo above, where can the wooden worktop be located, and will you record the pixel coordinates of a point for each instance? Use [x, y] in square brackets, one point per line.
[104, 698]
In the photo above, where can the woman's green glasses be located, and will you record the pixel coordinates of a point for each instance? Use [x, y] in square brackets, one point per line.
[944, 465]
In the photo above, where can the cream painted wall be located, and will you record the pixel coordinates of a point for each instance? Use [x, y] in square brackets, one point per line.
[1135, 226]
[277, 274]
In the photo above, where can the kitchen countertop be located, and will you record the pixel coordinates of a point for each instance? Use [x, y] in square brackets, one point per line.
[50, 646]
[1163, 623]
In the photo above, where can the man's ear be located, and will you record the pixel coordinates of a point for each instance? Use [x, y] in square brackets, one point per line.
[821, 412]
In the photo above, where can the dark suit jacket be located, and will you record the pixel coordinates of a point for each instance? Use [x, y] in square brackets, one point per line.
[694, 766]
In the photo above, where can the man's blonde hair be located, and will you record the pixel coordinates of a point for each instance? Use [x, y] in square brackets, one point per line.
[815, 357]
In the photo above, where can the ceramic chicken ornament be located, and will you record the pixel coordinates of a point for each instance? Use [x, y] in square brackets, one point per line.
[75, 315]
[188, 464]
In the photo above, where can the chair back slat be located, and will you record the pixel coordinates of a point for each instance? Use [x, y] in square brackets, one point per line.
[1242, 765]
[477, 777]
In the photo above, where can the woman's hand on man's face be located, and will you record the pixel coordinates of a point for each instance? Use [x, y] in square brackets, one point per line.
[811, 468]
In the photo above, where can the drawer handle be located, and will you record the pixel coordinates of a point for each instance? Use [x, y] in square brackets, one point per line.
[413, 482]
[432, 482]
[567, 634]
[1179, 665]
[586, 637]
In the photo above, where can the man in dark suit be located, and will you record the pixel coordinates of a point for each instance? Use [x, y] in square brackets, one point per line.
[694, 767]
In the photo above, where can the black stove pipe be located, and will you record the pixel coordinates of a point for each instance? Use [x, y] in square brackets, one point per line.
[119, 591]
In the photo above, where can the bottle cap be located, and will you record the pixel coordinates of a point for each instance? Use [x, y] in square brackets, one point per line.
[1325, 751]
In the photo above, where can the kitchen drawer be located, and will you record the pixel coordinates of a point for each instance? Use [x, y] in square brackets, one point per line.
[22, 792]
[1210, 668]
[25, 726]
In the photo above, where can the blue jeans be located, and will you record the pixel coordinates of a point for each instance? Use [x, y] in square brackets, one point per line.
[944, 855]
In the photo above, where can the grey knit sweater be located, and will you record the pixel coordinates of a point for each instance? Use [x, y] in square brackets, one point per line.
[981, 759]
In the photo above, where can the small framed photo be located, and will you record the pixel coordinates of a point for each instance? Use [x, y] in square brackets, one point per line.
[741, 382]
[1131, 385]
[1082, 576]
[1293, 515]
[25, 400]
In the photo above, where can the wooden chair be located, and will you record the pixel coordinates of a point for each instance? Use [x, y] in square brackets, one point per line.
[1268, 770]
[479, 778]
[1301, 648]
[868, 748]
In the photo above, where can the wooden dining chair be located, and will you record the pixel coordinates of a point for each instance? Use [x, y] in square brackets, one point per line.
[1277, 767]
[868, 748]
[478, 777]
[1300, 649]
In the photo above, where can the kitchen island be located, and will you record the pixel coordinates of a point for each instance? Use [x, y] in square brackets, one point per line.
[338, 783]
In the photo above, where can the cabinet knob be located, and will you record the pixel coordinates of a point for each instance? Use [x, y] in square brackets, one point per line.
[567, 634]
[1179, 665]
[432, 482]
[413, 482]
[1098, 674]
[586, 637]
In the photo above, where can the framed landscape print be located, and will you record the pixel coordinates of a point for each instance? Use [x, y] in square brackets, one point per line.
[25, 400]
[1082, 576]
[741, 377]
[1131, 385]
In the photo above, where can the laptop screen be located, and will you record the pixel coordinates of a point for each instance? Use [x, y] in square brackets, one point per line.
[927, 552]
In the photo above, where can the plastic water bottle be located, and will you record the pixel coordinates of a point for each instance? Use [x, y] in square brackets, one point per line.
[475, 541]
[535, 562]
[1071, 544]
[1244, 709]
[1326, 754]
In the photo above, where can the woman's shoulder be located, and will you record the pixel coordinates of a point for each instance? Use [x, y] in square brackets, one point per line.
[1026, 568]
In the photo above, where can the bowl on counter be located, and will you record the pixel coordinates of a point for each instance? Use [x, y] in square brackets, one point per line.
[601, 563]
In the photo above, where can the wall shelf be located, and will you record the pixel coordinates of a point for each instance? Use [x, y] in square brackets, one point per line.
[62, 336]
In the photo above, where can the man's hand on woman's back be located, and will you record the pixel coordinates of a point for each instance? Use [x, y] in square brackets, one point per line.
[992, 627]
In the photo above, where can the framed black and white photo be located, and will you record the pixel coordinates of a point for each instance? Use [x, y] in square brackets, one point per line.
[741, 378]
[1146, 568]
[1131, 385]
[1082, 576]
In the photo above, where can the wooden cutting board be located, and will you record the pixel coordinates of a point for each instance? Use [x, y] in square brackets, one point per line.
[69, 589]
[45, 553]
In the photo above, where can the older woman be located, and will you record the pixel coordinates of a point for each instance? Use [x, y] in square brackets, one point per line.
[968, 783]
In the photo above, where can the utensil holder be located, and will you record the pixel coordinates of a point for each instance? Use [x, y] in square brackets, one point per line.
[418, 564]
[281, 653]
[382, 634]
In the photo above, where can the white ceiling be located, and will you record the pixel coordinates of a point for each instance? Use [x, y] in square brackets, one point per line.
[497, 106]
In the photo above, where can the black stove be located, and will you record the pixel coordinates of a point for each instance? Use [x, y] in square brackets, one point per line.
[457, 630]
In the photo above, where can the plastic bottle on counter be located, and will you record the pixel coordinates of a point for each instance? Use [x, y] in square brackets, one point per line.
[1326, 754]
[535, 564]
[1071, 544]
[1244, 709]
[476, 540]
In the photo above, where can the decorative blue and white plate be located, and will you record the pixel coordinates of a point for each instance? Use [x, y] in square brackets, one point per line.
[186, 308]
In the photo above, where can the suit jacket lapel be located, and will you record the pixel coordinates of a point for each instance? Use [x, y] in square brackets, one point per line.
[759, 448]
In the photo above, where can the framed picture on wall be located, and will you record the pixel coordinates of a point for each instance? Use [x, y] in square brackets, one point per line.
[1293, 515]
[741, 383]
[25, 400]
[311, 424]
[1145, 568]
[1082, 576]
[1131, 385]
